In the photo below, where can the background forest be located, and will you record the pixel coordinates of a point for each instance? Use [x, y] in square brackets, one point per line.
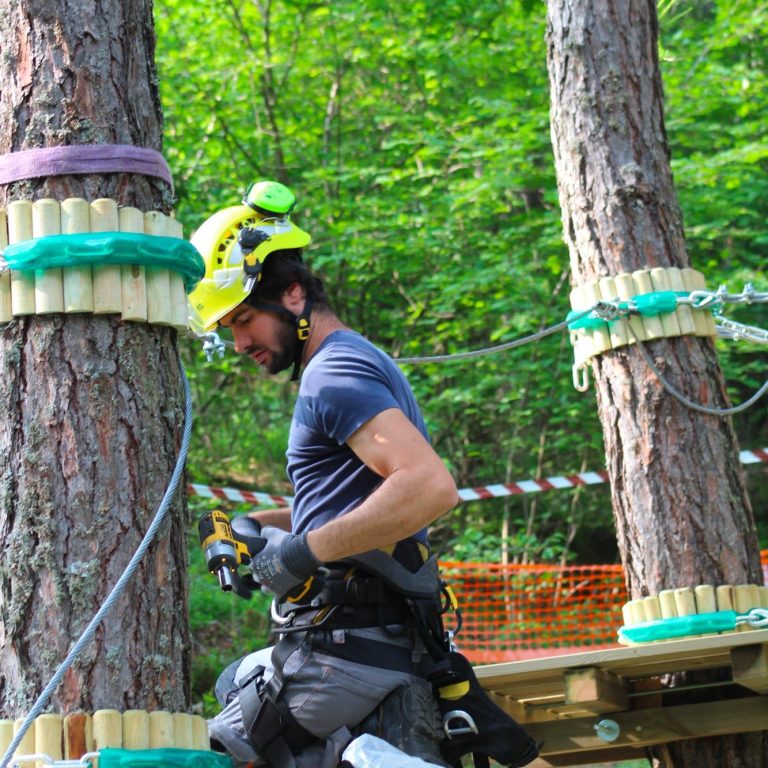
[416, 137]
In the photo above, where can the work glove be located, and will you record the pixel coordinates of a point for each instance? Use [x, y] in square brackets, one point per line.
[285, 562]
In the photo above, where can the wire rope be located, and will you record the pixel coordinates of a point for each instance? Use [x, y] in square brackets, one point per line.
[488, 350]
[121, 583]
[676, 393]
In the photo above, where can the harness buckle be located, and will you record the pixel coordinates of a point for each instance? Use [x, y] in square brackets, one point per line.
[302, 327]
[458, 714]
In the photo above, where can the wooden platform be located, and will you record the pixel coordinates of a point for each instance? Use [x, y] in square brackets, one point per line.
[599, 706]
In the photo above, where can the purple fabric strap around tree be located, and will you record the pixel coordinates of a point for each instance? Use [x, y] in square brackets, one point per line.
[82, 159]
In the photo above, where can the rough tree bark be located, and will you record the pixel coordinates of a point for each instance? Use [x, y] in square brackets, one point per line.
[679, 500]
[91, 408]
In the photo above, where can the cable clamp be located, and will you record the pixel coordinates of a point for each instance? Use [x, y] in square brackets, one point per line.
[611, 309]
[213, 345]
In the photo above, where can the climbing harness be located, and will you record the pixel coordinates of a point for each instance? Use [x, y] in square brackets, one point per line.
[121, 583]
[696, 624]
[375, 589]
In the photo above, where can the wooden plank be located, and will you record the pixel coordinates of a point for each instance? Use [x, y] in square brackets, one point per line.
[200, 738]
[670, 656]
[22, 283]
[646, 727]
[106, 277]
[49, 285]
[595, 690]
[48, 733]
[135, 729]
[132, 276]
[513, 708]
[160, 730]
[78, 281]
[159, 310]
[179, 306]
[6, 735]
[588, 757]
[27, 744]
[182, 730]
[6, 312]
[78, 735]
[538, 684]
[750, 667]
[107, 727]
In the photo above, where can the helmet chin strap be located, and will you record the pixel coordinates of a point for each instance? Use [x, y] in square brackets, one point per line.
[301, 322]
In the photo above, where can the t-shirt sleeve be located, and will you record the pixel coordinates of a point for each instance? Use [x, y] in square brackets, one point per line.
[344, 392]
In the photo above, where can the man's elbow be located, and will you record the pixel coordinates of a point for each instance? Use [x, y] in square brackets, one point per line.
[444, 491]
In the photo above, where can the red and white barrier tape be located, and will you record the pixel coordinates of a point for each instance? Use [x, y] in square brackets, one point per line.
[465, 494]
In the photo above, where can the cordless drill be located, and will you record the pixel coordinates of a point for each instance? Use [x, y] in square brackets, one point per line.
[226, 549]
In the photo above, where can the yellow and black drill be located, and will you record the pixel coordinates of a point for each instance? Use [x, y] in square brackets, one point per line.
[226, 549]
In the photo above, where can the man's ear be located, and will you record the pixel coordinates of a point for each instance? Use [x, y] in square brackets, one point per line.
[294, 298]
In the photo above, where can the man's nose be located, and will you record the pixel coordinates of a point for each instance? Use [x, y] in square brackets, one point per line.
[241, 338]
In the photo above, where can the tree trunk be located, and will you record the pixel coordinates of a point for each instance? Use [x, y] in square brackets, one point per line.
[680, 505]
[92, 407]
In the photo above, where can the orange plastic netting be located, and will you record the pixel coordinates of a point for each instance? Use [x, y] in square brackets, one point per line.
[523, 611]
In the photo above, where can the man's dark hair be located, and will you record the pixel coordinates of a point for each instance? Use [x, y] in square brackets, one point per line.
[283, 268]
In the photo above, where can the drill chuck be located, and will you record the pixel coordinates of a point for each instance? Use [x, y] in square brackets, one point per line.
[221, 557]
[225, 550]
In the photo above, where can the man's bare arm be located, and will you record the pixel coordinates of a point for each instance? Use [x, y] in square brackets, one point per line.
[416, 489]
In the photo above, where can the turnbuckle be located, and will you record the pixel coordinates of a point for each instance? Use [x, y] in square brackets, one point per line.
[734, 330]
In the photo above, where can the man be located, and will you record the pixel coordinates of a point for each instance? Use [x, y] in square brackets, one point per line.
[349, 565]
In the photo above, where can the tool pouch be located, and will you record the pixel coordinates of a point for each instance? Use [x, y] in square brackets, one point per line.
[473, 724]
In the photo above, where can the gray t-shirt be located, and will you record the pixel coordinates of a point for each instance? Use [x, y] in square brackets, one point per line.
[347, 382]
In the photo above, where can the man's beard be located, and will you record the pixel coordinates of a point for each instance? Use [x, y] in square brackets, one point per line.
[287, 343]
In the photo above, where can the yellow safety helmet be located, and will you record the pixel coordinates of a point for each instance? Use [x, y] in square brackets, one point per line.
[232, 270]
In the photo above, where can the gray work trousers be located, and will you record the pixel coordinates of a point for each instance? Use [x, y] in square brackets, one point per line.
[327, 695]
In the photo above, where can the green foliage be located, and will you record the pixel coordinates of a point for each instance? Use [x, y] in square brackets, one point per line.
[416, 137]
[418, 143]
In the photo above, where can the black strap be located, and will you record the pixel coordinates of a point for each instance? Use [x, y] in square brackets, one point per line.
[273, 730]
[303, 328]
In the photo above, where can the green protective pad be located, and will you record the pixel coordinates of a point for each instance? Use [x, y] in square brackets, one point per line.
[76, 250]
[589, 322]
[645, 304]
[680, 626]
[656, 303]
[162, 758]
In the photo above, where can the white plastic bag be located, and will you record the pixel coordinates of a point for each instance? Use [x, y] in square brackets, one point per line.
[368, 751]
